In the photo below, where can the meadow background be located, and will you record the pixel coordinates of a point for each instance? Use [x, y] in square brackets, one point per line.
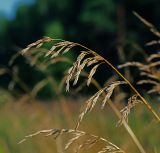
[107, 26]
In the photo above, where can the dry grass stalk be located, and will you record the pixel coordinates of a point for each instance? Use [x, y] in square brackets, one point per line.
[93, 100]
[155, 87]
[132, 101]
[92, 72]
[95, 60]
[89, 141]
[149, 70]
[153, 57]
[151, 75]
[54, 132]
[74, 68]
[152, 28]
[139, 65]
[92, 58]
[79, 69]
[89, 106]
[153, 64]
[147, 82]
[153, 42]
[110, 90]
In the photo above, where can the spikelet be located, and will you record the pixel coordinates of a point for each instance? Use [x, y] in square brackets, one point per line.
[155, 89]
[72, 140]
[132, 101]
[148, 82]
[153, 42]
[33, 57]
[50, 51]
[55, 132]
[56, 53]
[92, 101]
[36, 44]
[153, 56]
[63, 43]
[60, 48]
[89, 141]
[150, 75]
[69, 77]
[89, 106]
[141, 66]
[154, 64]
[109, 91]
[95, 60]
[111, 149]
[150, 70]
[80, 57]
[74, 69]
[80, 68]
[148, 24]
[92, 72]
[68, 48]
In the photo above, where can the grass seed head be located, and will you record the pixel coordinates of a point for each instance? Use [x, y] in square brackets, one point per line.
[132, 101]
[92, 72]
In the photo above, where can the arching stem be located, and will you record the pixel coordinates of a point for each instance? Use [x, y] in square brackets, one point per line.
[128, 82]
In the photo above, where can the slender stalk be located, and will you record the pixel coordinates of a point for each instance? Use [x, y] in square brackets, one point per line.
[128, 82]
[126, 126]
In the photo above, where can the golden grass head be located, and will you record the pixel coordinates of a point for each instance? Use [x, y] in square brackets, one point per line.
[89, 140]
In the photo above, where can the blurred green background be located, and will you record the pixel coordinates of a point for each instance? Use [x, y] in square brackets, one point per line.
[106, 26]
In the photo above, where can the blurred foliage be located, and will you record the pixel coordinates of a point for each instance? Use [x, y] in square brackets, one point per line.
[99, 15]
[54, 30]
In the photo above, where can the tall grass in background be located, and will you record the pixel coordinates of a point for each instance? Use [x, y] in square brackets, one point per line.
[20, 118]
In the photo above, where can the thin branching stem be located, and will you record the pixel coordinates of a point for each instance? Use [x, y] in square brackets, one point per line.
[124, 123]
[127, 81]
